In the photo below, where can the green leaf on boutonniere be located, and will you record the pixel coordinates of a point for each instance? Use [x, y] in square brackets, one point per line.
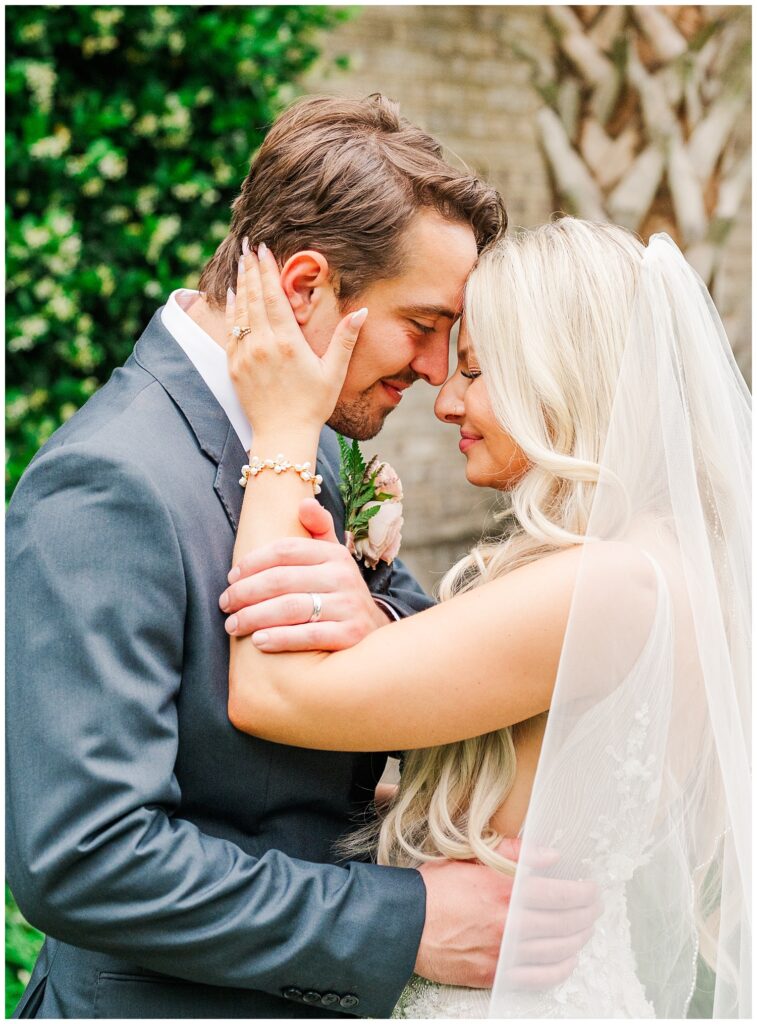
[361, 521]
[357, 485]
[352, 470]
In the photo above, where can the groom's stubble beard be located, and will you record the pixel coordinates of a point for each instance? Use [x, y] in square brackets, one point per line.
[357, 418]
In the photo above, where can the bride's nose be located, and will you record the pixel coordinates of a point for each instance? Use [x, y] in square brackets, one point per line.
[449, 407]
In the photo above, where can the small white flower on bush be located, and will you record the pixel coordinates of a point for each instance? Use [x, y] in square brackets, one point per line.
[35, 236]
[61, 222]
[62, 307]
[112, 166]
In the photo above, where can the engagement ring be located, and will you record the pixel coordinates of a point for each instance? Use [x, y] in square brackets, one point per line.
[240, 332]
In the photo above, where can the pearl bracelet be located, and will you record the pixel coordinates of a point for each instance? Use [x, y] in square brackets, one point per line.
[281, 465]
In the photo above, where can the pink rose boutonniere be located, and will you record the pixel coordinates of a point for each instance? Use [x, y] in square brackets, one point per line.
[373, 506]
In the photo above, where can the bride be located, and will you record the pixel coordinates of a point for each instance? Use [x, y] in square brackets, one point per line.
[583, 681]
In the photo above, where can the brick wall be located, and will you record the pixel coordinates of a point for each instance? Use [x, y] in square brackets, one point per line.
[454, 73]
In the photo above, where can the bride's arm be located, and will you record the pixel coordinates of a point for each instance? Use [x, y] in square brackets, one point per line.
[476, 663]
[479, 662]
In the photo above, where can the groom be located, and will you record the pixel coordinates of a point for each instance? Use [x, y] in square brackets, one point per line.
[178, 867]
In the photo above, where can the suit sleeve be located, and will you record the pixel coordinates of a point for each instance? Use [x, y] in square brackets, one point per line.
[96, 602]
[405, 594]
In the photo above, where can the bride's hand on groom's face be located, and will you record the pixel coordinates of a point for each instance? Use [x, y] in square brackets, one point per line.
[280, 381]
[271, 591]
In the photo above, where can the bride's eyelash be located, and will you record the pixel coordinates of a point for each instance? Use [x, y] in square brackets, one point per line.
[472, 374]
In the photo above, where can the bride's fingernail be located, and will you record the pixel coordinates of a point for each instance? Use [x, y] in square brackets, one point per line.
[260, 639]
[231, 624]
[234, 574]
[246, 246]
[230, 296]
[358, 319]
[241, 263]
[262, 250]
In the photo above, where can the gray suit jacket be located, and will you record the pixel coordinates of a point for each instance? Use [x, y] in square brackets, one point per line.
[179, 868]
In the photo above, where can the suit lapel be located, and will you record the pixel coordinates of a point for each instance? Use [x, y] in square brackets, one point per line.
[227, 485]
[329, 496]
[158, 352]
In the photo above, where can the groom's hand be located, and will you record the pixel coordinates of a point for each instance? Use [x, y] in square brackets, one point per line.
[466, 914]
[271, 590]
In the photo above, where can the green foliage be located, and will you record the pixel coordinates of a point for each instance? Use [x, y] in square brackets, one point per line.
[129, 131]
[22, 944]
[357, 485]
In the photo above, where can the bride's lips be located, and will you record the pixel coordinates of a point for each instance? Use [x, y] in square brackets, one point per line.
[394, 390]
[467, 441]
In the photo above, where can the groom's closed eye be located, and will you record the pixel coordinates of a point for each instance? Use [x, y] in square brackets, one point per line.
[430, 311]
[423, 328]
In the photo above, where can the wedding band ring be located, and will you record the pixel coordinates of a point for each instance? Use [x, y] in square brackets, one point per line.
[317, 605]
[240, 332]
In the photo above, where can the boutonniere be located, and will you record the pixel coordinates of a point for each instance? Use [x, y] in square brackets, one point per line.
[372, 497]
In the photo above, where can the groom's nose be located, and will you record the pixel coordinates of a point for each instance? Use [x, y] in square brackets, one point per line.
[432, 361]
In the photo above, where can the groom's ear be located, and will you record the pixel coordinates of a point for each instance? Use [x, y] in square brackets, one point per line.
[306, 280]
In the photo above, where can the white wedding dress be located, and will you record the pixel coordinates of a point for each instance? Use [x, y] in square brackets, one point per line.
[605, 981]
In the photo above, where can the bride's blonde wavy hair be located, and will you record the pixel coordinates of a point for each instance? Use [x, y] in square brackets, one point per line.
[547, 313]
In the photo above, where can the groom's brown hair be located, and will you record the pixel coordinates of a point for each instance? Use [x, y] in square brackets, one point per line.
[345, 177]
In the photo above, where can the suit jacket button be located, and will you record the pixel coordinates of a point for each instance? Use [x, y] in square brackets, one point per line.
[348, 1002]
[292, 993]
[329, 998]
[311, 997]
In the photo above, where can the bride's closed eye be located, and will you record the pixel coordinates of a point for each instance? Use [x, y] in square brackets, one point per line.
[471, 374]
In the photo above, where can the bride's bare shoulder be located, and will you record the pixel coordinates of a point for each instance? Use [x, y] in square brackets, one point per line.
[606, 583]
[606, 563]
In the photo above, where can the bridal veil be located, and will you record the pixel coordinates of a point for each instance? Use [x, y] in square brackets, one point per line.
[643, 783]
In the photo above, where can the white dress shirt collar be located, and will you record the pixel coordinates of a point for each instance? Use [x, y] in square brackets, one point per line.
[208, 358]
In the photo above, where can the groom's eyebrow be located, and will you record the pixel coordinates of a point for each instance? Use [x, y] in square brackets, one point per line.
[422, 309]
